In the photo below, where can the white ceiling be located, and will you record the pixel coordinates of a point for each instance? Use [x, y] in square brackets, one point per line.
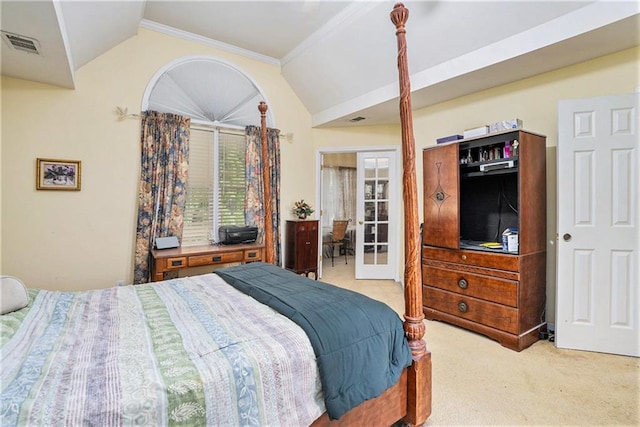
[338, 56]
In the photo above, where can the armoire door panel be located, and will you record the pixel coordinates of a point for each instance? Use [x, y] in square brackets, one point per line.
[441, 196]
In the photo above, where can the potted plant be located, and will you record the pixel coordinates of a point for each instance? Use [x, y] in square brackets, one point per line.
[301, 209]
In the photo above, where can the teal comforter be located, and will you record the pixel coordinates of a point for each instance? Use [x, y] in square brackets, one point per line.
[357, 362]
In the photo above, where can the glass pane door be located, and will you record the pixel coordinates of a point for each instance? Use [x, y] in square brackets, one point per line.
[376, 230]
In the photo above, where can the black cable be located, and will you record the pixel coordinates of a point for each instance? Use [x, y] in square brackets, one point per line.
[504, 195]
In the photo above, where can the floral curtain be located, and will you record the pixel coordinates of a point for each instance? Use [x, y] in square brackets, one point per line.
[163, 178]
[253, 210]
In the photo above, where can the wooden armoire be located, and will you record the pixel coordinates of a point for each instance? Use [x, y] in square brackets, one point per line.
[475, 189]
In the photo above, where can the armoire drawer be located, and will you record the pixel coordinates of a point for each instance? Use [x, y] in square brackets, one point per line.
[487, 313]
[475, 258]
[465, 283]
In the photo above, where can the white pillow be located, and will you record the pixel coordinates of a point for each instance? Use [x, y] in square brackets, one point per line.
[13, 294]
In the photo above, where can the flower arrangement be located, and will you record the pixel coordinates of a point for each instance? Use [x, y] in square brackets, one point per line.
[301, 209]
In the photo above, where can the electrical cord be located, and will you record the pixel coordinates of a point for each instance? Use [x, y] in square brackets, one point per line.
[504, 196]
[499, 217]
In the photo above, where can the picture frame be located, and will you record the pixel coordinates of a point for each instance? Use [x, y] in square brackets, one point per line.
[56, 174]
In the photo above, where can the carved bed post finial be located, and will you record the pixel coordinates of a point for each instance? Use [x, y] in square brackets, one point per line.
[266, 180]
[414, 327]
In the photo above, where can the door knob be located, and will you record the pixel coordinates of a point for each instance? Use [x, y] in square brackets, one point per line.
[566, 237]
[360, 222]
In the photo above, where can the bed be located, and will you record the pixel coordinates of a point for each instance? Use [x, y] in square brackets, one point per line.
[216, 349]
[246, 345]
[155, 354]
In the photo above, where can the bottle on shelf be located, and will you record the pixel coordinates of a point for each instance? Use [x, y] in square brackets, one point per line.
[507, 150]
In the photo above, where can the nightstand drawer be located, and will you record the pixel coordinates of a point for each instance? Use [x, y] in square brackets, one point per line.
[253, 255]
[480, 311]
[176, 263]
[209, 259]
[484, 287]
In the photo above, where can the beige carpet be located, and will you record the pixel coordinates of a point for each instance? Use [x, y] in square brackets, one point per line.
[476, 381]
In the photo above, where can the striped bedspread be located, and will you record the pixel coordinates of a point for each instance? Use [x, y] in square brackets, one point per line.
[191, 351]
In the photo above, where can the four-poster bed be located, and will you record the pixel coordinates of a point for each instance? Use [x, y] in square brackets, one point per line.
[245, 345]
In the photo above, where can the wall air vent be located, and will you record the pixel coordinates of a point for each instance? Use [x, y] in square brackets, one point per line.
[356, 119]
[18, 42]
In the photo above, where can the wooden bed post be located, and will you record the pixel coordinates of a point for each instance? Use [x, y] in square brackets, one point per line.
[419, 378]
[266, 180]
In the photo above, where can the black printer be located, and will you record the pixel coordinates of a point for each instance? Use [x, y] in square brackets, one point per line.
[234, 234]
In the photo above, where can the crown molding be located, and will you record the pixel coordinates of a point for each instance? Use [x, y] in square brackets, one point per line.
[165, 29]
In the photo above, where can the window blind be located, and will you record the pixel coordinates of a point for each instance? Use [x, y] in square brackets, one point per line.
[231, 179]
[216, 184]
[198, 212]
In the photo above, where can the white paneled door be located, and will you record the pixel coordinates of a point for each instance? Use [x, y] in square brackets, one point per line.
[377, 213]
[598, 283]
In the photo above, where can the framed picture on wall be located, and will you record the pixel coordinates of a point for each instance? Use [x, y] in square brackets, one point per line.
[52, 174]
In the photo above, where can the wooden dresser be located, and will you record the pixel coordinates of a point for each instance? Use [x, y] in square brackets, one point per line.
[470, 198]
[165, 260]
[301, 246]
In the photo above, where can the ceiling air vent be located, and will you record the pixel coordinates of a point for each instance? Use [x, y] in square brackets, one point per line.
[22, 43]
[356, 119]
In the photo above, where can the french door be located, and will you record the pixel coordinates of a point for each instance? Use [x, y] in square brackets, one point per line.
[376, 255]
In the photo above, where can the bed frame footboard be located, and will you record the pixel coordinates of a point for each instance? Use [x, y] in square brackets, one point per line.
[383, 410]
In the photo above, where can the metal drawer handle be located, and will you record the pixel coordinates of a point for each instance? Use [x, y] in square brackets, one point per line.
[463, 284]
[462, 307]
[217, 258]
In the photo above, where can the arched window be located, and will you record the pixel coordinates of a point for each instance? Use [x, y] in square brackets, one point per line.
[209, 90]
[221, 101]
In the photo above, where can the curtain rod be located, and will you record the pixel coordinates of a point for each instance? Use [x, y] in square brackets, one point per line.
[123, 114]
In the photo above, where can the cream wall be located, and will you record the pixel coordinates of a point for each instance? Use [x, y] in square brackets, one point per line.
[346, 160]
[79, 240]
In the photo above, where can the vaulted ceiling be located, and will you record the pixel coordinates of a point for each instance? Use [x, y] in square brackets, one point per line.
[338, 56]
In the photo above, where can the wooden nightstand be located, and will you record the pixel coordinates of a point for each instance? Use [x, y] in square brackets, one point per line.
[302, 247]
